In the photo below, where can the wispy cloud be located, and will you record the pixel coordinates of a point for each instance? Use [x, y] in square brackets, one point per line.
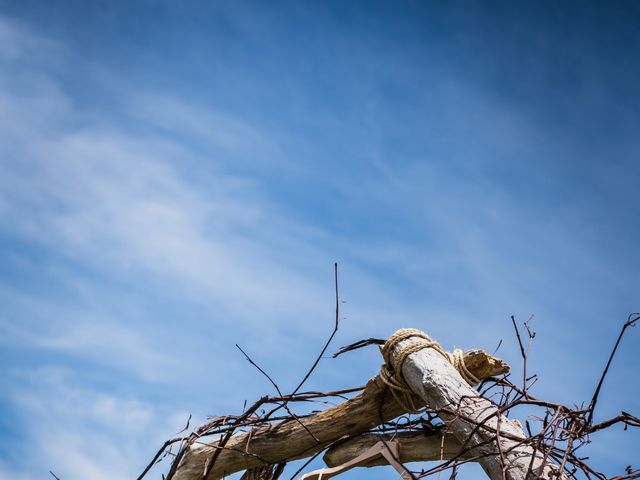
[20, 43]
[143, 238]
[115, 206]
[79, 431]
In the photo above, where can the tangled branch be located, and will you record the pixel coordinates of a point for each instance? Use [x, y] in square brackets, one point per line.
[557, 432]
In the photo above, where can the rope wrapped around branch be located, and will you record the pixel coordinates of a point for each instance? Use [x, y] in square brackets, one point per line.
[391, 372]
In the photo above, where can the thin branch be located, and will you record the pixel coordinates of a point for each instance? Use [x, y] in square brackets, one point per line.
[326, 345]
[333, 334]
[631, 321]
[357, 345]
[284, 404]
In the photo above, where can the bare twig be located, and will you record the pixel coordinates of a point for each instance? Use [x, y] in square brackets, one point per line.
[631, 321]
[556, 432]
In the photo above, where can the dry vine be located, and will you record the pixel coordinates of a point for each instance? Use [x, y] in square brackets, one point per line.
[557, 431]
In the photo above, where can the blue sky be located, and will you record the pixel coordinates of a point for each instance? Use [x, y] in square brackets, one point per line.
[178, 177]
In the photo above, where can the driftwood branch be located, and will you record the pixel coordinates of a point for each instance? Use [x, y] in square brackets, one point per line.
[500, 445]
[413, 447]
[476, 429]
[291, 440]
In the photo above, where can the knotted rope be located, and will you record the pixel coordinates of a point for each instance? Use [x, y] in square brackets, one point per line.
[391, 372]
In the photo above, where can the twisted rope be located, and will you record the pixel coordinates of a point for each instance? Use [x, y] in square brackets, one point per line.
[391, 372]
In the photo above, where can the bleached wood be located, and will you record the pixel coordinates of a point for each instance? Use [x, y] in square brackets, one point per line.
[289, 440]
[413, 447]
[441, 387]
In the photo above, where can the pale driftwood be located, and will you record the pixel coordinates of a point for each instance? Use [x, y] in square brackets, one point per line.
[413, 447]
[388, 450]
[290, 440]
[462, 409]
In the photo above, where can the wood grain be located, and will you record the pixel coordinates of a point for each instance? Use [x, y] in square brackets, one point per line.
[289, 440]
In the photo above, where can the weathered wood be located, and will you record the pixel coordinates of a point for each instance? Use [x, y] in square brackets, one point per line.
[289, 440]
[413, 447]
[462, 409]
[263, 472]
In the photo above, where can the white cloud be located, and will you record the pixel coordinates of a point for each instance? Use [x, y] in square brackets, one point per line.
[222, 133]
[126, 207]
[19, 42]
[80, 432]
[153, 199]
[120, 203]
